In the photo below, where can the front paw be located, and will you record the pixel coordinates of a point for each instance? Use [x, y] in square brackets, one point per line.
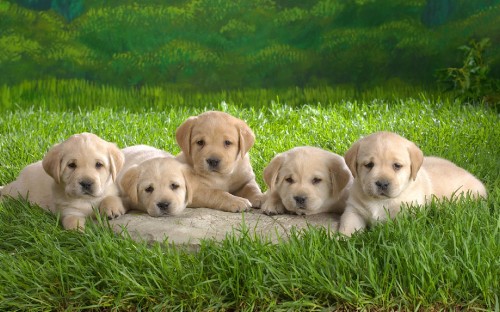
[239, 204]
[351, 222]
[257, 200]
[273, 207]
[112, 207]
[72, 222]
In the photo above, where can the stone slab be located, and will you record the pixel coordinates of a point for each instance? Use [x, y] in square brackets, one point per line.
[196, 224]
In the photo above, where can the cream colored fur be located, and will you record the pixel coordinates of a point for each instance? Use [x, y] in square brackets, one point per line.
[215, 145]
[153, 181]
[306, 180]
[74, 177]
[390, 171]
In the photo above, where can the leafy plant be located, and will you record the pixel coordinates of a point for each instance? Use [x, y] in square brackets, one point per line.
[471, 81]
[233, 44]
[70, 9]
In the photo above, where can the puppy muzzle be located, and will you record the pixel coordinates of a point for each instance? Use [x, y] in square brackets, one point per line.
[383, 188]
[87, 187]
[163, 206]
[213, 163]
[300, 202]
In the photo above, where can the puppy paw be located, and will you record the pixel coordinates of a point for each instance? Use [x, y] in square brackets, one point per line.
[112, 212]
[257, 201]
[112, 207]
[71, 222]
[271, 209]
[351, 222]
[239, 204]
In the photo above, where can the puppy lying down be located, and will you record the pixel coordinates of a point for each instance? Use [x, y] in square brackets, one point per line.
[74, 177]
[306, 180]
[153, 181]
[389, 170]
[215, 146]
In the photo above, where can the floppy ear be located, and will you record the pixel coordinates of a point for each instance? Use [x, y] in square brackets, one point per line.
[183, 135]
[189, 188]
[116, 160]
[247, 138]
[51, 162]
[271, 171]
[351, 157]
[339, 174]
[417, 158]
[128, 184]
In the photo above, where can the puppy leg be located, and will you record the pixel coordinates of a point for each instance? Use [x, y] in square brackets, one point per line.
[350, 222]
[112, 207]
[220, 200]
[273, 204]
[252, 192]
[72, 222]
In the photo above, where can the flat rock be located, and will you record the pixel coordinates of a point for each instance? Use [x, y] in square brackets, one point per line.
[196, 224]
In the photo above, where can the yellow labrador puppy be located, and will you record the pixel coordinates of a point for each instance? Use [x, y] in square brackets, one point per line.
[153, 181]
[74, 177]
[215, 145]
[306, 180]
[388, 171]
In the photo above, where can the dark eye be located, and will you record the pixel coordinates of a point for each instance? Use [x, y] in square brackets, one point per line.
[174, 186]
[99, 165]
[227, 143]
[72, 165]
[200, 143]
[397, 166]
[149, 189]
[316, 180]
[369, 165]
[290, 180]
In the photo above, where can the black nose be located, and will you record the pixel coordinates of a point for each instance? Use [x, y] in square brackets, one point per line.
[213, 162]
[300, 200]
[382, 185]
[163, 205]
[86, 185]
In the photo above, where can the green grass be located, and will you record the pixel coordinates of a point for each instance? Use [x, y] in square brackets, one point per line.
[446, 256]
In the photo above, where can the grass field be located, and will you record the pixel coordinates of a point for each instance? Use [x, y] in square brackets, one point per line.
[446, 256]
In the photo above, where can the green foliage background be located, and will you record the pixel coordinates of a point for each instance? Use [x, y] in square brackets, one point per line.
[217, 44]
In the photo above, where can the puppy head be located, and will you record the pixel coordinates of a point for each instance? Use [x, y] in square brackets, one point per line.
[385, 163]
[214, 142]
[307, 178]
[157, 186]
[84, 165]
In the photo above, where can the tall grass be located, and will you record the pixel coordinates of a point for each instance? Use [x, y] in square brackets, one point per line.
[54, 94]
[445, 256]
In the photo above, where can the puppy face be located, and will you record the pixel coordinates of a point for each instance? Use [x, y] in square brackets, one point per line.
[307, 179]
[213, 142]
[84, 165]
[157, 186]
[385, 163]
